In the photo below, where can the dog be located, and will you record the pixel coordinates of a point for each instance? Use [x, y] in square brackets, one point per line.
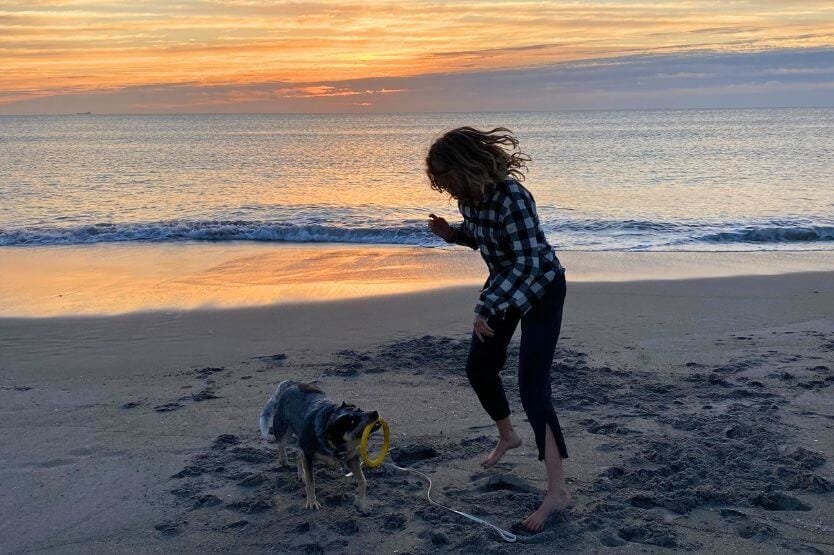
[325, 431]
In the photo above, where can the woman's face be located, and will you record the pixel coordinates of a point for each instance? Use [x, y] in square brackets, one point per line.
[450, 182]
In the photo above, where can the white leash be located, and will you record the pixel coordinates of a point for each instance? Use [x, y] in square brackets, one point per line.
[505, 535]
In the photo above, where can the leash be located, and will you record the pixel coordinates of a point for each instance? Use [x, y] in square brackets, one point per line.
[505, 535]
[373, 463]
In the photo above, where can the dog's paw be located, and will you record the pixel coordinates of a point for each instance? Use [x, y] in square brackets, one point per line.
[312, 504]
[361, 506]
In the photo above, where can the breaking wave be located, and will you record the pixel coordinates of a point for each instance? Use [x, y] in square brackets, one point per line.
[567, 234]
[772, 234]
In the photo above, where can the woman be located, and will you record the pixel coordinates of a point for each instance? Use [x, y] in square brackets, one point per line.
[526, 284]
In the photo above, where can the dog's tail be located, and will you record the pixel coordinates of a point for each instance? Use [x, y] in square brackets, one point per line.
[264, 424]
[268, 413]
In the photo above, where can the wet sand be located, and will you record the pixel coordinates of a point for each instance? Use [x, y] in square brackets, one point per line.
[699, 415]
[109, 279]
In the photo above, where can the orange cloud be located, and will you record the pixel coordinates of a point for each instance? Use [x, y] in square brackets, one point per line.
[327, 90]
[49, 47]
[314, 91]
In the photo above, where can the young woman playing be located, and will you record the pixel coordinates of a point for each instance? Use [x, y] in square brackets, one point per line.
[526, 284]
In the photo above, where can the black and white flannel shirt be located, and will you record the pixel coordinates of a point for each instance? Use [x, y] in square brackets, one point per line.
[505, 228]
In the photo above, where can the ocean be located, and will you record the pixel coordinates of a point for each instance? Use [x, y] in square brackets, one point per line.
[695, 180]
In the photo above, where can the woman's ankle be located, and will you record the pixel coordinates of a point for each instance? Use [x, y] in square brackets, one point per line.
[558, 492]
[506, 431]
[510, 442]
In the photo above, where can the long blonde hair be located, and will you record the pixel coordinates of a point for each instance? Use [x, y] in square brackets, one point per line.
[467, 162]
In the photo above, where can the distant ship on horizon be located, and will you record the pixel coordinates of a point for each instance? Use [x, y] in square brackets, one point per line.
[83, 113]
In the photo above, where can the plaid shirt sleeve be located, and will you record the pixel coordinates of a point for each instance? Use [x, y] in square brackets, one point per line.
[515, 285]
[462, 236]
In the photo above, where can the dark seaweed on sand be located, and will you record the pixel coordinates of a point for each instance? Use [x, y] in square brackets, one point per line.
[701, 442]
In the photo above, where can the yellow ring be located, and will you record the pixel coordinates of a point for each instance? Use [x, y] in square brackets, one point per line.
[386, 443]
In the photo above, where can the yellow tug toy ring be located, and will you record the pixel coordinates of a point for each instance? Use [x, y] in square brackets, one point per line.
[386, 443]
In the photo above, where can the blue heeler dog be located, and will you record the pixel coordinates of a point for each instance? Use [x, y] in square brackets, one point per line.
[325, 431]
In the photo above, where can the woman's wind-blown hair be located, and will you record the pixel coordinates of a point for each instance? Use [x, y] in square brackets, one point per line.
[466, 162]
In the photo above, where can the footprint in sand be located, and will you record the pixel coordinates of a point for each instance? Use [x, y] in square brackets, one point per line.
[168, 407]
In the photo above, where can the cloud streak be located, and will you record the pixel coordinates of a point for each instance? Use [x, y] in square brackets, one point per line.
[787, 77]
[58, 48]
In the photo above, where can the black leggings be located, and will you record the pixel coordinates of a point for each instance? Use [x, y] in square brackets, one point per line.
[539, 333]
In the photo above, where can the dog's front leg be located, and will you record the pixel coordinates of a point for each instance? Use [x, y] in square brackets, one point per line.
[309, 482]
[361, 483]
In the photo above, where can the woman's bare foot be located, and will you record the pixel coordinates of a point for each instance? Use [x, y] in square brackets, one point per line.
[504, 444]
[557, 501]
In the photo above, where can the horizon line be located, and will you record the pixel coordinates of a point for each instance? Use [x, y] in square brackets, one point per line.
[325, 113]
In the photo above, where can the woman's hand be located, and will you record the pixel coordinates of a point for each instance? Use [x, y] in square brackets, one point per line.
[482, 329]
[440, 227]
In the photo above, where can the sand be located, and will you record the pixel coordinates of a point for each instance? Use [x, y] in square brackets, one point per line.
[110, 279]
[698, 413]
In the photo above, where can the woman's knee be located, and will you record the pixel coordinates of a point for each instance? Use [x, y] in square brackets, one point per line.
[484, 363]
[534, 369]
[535, 390]
[474, 377]
[480, 375]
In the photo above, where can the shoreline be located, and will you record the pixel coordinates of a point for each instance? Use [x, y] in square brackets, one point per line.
[107, 279]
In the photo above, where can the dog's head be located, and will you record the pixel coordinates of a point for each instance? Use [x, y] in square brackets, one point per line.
[347, 423]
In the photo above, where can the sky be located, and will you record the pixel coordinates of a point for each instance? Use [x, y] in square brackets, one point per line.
[157, 56]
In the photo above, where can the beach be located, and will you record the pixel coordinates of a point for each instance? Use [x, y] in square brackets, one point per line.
[203, 201]
[697, 410]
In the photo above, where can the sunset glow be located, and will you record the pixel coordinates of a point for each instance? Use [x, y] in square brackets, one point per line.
[302, 50]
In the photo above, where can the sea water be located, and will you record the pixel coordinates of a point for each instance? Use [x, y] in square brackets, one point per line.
[702, 180]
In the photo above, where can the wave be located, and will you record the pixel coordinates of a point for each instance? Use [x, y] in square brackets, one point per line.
[215, 231]
[567, 234]
[771, 234]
